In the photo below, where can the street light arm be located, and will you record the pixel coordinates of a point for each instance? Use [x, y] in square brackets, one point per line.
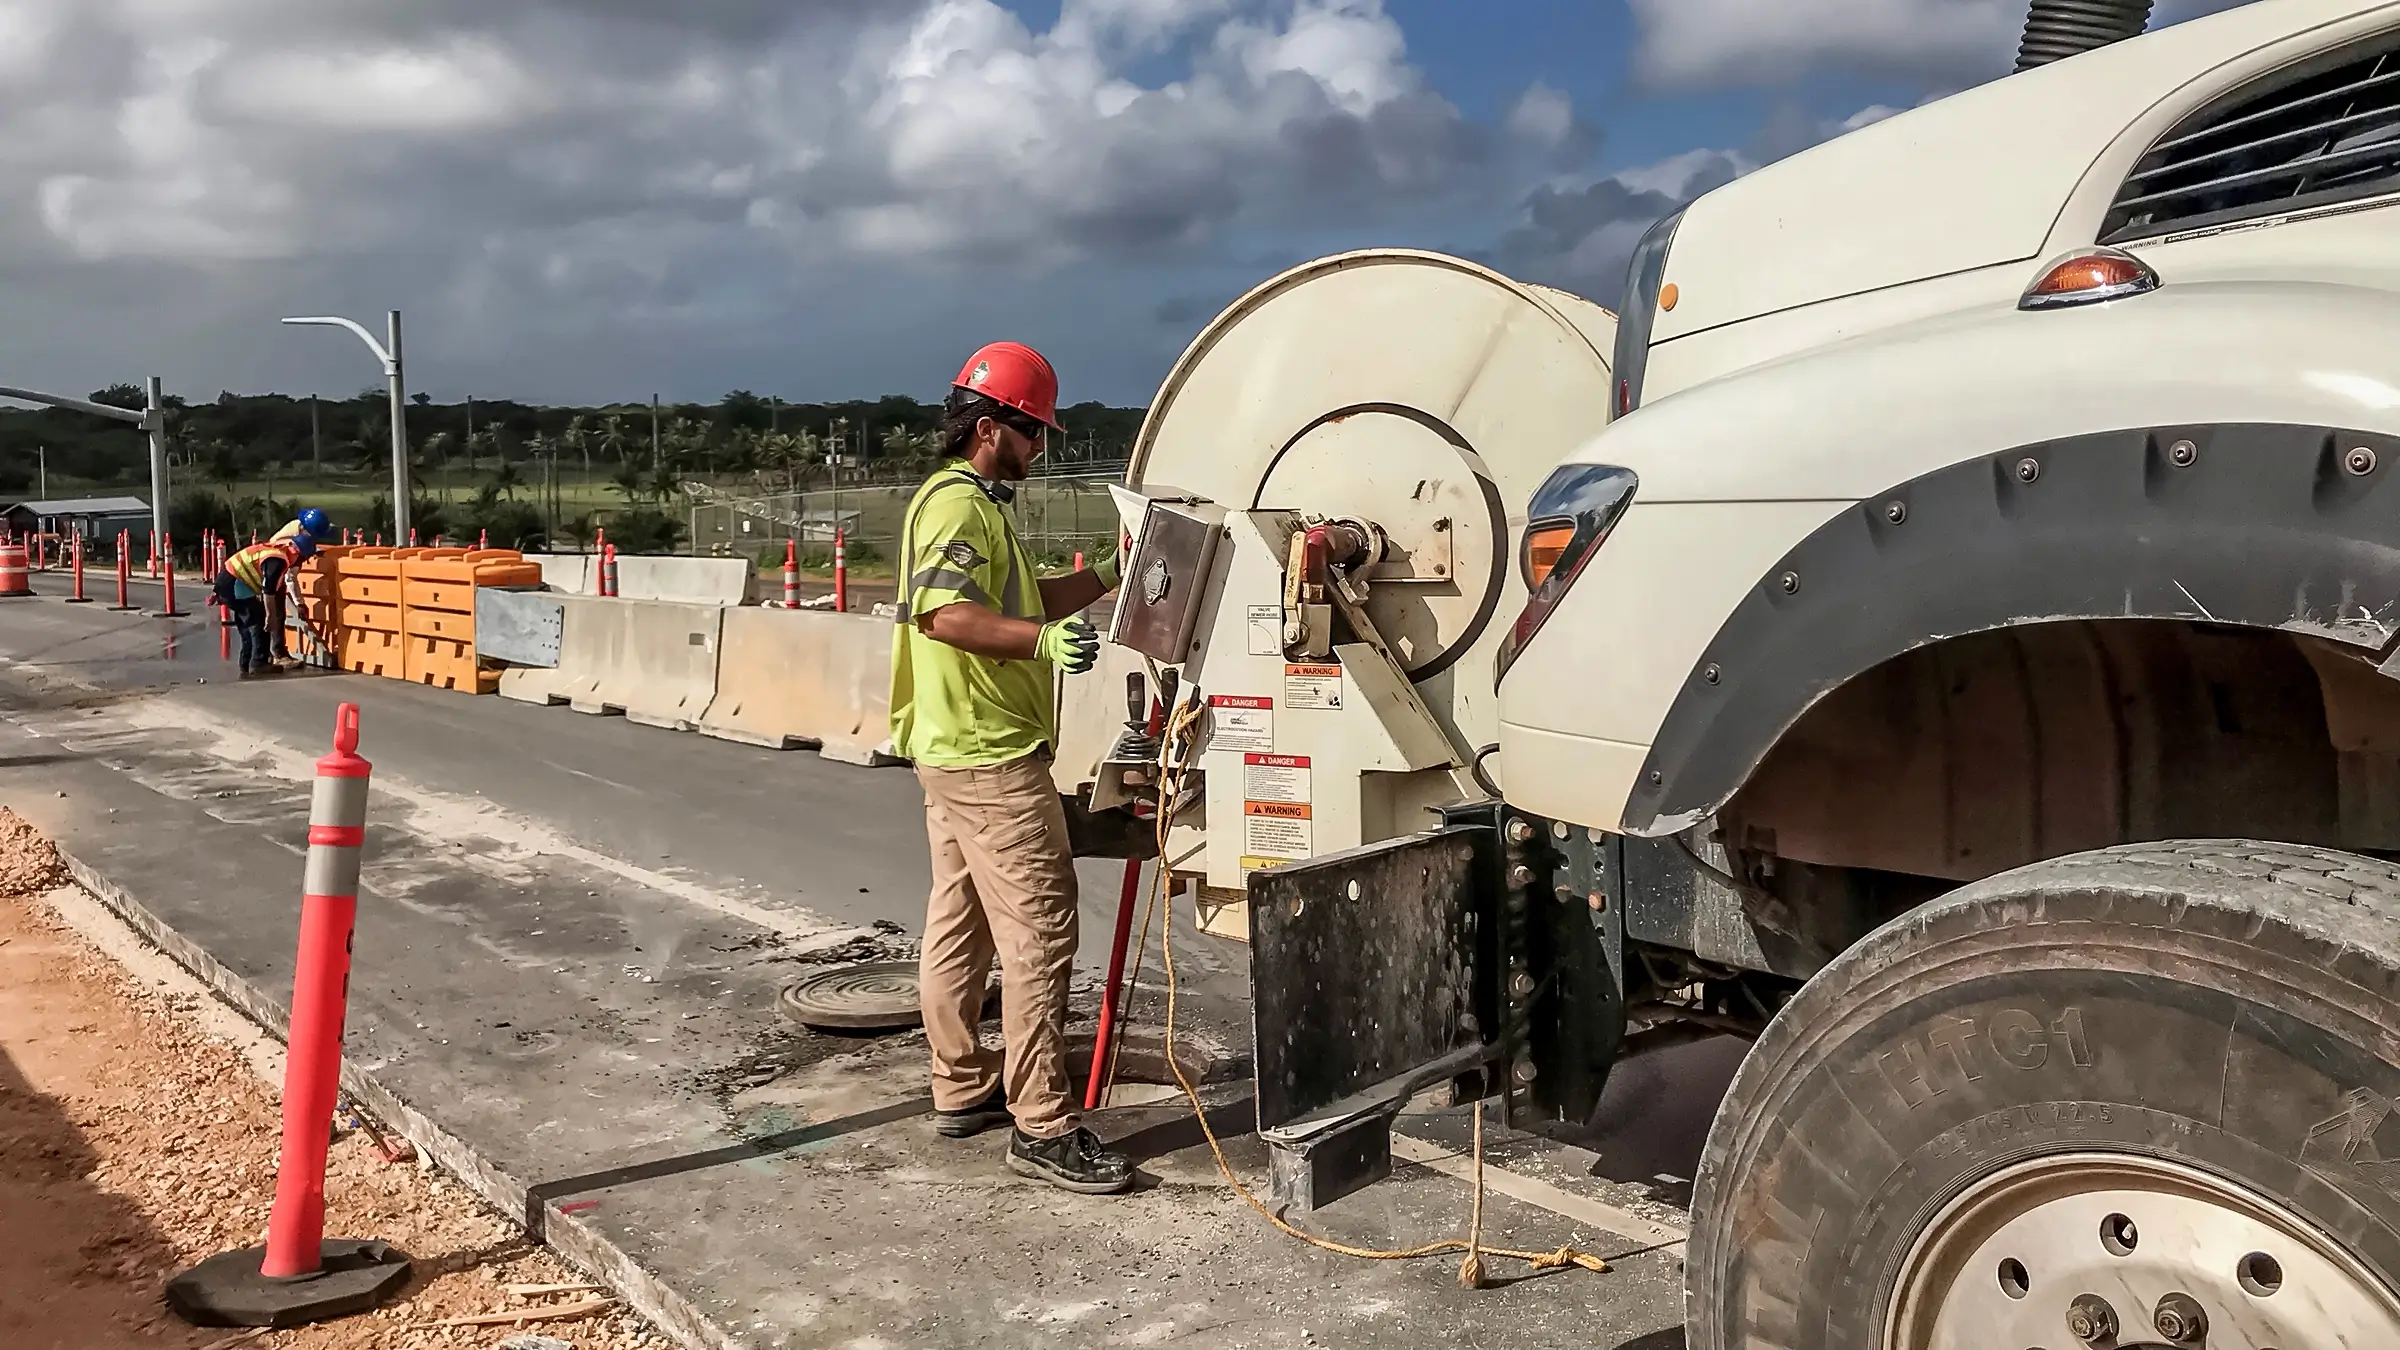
[335, 321]
[133, 415]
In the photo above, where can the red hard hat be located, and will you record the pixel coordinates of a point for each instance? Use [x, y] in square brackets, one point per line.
[1016, 376]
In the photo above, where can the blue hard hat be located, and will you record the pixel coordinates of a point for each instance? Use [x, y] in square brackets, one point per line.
[305, 544]
[316, 522]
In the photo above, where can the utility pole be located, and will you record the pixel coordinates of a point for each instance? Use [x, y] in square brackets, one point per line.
[470, 433]
[44, 452]
[316, 440]
[655, 459]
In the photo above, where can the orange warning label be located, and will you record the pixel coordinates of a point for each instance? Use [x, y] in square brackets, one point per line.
[1279, 810]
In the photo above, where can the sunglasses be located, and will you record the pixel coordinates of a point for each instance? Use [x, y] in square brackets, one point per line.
[1027, 427]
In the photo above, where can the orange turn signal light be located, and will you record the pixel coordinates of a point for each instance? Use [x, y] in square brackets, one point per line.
[2089, 276]
[1545, 544]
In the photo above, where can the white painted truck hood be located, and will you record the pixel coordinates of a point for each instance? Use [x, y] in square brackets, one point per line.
[1973, 180]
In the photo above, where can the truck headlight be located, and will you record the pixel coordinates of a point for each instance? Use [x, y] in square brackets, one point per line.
[1569, 519]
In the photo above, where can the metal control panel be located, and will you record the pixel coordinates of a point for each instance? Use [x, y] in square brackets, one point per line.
[1159, 607]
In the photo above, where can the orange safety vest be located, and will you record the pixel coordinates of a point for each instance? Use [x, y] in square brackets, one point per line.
[248, 566]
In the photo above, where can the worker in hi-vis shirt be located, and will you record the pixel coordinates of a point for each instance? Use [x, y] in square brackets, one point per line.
[979, 643]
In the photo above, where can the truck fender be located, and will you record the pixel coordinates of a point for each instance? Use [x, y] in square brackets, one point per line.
[2264, 525]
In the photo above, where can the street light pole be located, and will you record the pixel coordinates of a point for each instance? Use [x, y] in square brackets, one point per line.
[398, 371]
[395, 373]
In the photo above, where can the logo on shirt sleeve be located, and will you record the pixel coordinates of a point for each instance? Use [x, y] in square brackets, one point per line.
[962, 555]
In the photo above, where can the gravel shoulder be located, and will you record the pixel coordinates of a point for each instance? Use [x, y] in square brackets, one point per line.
[138, 1133]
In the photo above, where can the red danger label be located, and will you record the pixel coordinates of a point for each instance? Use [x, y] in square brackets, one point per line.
[1277, 761]
[1238, 701]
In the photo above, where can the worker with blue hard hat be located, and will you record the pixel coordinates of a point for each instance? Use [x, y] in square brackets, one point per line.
[301, 535]
[311, 521]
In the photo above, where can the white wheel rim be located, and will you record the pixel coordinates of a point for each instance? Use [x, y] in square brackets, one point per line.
[2116, 1238]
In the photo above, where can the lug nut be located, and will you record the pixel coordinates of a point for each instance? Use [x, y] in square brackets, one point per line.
[2360, 461]
[2179, 1318]
[2090, 1319]
[1520, 876]
[1520, 831]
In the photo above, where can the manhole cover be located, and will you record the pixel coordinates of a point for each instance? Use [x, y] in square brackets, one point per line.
[877, 996]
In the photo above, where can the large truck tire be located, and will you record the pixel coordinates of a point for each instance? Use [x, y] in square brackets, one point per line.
[2137, 1097]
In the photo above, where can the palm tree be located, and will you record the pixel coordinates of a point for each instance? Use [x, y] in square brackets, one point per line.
[486, 440]
[578, 438]
[506, 480]
[613, 440]
[665, 483]
[629, 480]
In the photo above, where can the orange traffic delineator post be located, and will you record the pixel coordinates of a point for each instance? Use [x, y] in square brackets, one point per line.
[167, 610]
[791, 574]
[841, 572]
[608, 570]
[301, 1276]
[124, 570]
[78, 598]
[483, 540]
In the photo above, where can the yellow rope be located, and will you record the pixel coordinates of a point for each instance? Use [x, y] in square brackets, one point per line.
[1471, 1267]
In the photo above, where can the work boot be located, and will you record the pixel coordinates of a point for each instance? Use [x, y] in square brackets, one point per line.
[1074, 1161]
[973, 1120]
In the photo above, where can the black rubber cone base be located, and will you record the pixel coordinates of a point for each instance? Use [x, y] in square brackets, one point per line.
[226, 1290]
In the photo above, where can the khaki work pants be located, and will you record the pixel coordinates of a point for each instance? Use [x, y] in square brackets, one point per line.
[1003, 884]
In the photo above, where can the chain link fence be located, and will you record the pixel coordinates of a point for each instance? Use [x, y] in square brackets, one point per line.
[1057, 517]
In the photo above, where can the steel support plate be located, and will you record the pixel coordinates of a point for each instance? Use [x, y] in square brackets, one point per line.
[1366, 965]
[520, 627]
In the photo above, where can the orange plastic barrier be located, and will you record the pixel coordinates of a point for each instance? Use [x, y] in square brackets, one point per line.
[407, 613]
[437, 590]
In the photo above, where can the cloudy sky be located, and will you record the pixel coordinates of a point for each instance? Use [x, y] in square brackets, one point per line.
[581, 200]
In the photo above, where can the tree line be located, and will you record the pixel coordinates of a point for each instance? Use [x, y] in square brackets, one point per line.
[744, 443]
[646, 451]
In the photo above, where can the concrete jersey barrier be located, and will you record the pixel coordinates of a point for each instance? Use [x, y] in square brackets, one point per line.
[653, 661]
[704, 581]
[794, 678]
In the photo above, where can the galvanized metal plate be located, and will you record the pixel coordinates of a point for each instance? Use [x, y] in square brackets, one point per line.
[1366, 965]
[521, 627]
[876, 996]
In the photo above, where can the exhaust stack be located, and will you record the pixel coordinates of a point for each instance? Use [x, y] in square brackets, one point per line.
[2057, 29]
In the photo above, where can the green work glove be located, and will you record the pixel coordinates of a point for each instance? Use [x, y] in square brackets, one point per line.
[1072, 644]
[1110, 569]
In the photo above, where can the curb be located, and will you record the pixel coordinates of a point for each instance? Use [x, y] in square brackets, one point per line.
[579, 1243]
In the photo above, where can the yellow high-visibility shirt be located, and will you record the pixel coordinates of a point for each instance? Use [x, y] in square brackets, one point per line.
[953, 708]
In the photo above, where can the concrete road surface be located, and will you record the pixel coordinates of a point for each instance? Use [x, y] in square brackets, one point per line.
[571, 938]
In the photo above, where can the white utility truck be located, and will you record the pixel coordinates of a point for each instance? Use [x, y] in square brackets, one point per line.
[1947, 630]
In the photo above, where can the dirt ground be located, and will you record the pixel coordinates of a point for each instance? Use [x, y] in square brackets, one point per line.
[132, 1144]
